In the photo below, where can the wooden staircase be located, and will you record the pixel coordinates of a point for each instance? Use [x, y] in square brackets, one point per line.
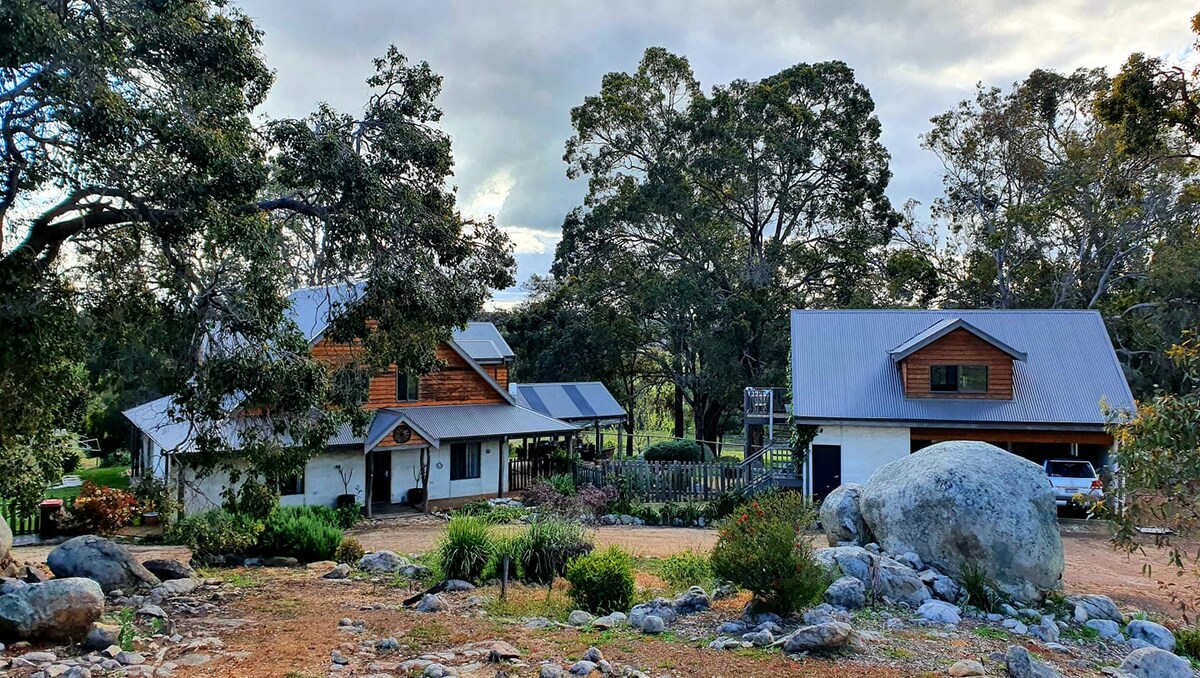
[773, 466]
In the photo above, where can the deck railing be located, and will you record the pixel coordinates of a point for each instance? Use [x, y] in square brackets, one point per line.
[667, 481]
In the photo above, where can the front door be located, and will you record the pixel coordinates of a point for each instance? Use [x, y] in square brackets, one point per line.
[381, 478]
[826, 469]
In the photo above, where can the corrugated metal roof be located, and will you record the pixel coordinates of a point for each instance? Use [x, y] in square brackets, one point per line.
[842, 368]
[480, 350]
[446, 422]
[569, 401]
[483, 333]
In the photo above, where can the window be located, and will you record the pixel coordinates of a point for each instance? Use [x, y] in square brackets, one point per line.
[958, 378]
[464, 461]
[408, 387]
[293, 484]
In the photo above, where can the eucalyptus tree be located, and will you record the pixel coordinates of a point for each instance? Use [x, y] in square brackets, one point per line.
[136, 177]
[733, 207]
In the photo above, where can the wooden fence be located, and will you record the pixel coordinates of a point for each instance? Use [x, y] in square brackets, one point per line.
[523, 473]
[666, 481]
[25, 522]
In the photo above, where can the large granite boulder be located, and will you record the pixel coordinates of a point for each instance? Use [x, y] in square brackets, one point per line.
[959, 504]
[1153, 662]
[6, 538]
[59, 609]
[108, 564]
[841, 518]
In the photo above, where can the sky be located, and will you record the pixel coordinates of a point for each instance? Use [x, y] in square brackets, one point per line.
[513, 70]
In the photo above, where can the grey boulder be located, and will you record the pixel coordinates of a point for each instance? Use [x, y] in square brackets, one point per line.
[1095, 607]
[1107, 629]
[166, 569]
[1152, 634]
[59, 609]
[900, 584]
[841, 518]
[431, 602]
[659, 607]
[940, 612]
[1153, 662]
[848, 561]
[6, 539]
[847, 592]
[819, 637]
[653, 624]
[1021, 665]
[98, 559]
[957, 504]
[385, 562]
[692, 600]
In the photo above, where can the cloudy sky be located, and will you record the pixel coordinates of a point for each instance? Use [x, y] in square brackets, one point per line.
[514, 69]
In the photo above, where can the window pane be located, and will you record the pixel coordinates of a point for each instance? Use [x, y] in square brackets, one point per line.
[973, 378]
[414, 388]
[943, 378]
[292, 485]
[407, 387]
[464, 461]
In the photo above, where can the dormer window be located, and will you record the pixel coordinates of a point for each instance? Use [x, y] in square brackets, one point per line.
[958, 378]
[408, 387]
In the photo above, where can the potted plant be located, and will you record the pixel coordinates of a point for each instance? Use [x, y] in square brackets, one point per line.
[347, 498]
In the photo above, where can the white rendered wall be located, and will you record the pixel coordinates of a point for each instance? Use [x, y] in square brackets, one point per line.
[493, 462]
[322, 484]
[864, 448]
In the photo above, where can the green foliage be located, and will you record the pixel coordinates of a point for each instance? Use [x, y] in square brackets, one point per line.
[1187, 642]
[466, 549]
[761, 548]
[727, 502]
[102, 510]
[494, 514]
[685, 569]
[349, 551]
[128, 631]
[602, 581]
[300, 532]
[505, 545]
[674, 450]
[548, 545]
[155, 494]
[980, 589]
[215, 532]
[31, 465]
[990, 633]
[253, 498]
[562, 483]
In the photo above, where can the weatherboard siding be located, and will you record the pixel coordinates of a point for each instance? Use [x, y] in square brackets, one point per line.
[457, 383]
[959, 347]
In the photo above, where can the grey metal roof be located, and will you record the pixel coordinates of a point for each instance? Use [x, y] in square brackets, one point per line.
[842, 368]
[940, 329]
[484, 338]
[569, 401]
[436, 423]
[159, 420]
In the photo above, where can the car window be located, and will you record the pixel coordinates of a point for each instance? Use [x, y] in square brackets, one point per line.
[1070, 469]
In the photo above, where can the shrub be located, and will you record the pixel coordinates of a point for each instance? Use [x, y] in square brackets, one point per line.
[119, 457]
[466, 548]
[253, 498]
[302, 532]
[346, 517]
[215, 532]
[548, 545]
[602, 581]
[494, 514]
[72, 457]
[979, 587]
[505, 546]
[758, 549]
[1187, 640]
[562, 483]
[686, 569]
[349, 551]
[103, 510]
[727, 502]
[674, 450]
[154, 494]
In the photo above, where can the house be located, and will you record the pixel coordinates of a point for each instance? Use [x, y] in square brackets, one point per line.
[881, 384]
[462, 414]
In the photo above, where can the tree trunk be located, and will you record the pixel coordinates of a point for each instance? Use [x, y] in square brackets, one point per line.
[677, 411]
[426, 455]
[706, 413]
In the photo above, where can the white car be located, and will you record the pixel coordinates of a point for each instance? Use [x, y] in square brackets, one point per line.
[1069, 477]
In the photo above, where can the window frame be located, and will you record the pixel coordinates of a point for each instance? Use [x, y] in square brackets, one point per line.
[411, 391]
[461, 456]
[952, 378]
[293, 482]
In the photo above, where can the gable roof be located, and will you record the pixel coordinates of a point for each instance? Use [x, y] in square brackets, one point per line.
[569, 401]
[484, 342]
[843, 368]
[447, 422]
[940, 329]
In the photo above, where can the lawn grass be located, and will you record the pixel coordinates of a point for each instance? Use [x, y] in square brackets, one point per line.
[90, 469]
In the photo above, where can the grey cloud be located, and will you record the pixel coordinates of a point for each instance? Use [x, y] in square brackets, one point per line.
[513, 70]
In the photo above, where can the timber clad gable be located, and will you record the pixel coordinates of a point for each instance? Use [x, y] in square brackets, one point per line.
[959, 347]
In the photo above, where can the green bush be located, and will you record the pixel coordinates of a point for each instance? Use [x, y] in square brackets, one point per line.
[466, 549]
[510, 546]
[253, 498]
[548, 545]
[562, 483]
[980, 589]
[759, 550]
[303, 532]
[602, 581]
[686, 569]
[347, 517]
[727, 502]
[1187, 641]
[349, 551]
[497, 514]
[215, 532]
[674, 450]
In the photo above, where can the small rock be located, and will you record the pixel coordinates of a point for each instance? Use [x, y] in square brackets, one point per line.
[1107, 629]
[1047, 633]
[456, 585]
[582, 668]
[388, 644]
[1021, 665]
[381, 562]
[550, 670]
[1155, 635]
[593, 655]
[501, 651]
[281, 561]
[821, 614]
[166, 569]
[337, 657]
[430, 602]
[579, 618]
[609, 621]
[653, 624]
[1015, 626]
[693, 600]
[130, 658]
[736, 628]
[1153, 662]
[848, 593]
[338, 572]
[436, 670]
[940, 612]
[101, 636]
[762, 638]
[827, 636]
[966, 667]
[152, 611]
